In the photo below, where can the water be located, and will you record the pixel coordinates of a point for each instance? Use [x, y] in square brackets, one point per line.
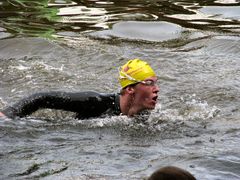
[78, 45]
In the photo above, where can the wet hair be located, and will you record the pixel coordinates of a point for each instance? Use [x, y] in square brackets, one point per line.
[171, 173]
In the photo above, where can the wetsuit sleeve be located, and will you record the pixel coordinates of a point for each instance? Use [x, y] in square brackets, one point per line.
[85, 104]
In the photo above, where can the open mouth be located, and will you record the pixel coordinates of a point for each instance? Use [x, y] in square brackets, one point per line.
[155, 98]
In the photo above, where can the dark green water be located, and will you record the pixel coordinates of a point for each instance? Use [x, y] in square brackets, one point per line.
[194, 46]
[72, 18]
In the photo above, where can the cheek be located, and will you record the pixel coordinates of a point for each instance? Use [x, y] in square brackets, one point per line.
[143, 95]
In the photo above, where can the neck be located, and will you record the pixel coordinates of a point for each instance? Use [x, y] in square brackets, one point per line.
[127, 106]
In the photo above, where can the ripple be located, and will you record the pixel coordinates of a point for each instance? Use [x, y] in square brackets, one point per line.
[4, 34]
[81, 10]
[222, 11]
[227, 1]
[149, 31]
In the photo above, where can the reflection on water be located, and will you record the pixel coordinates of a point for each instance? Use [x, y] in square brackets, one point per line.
[150, 31]
[28, 18]
[51, 18]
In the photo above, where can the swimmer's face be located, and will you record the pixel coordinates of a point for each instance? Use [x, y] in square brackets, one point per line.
[146, 93]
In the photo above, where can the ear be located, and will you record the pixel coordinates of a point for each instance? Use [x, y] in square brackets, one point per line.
[130, 90]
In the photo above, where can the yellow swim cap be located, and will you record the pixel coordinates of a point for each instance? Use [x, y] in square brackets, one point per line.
[134, 71]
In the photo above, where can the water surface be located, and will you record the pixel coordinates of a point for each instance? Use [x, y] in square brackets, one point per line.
[67, 45]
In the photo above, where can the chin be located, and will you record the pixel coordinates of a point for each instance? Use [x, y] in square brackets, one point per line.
[150, 107]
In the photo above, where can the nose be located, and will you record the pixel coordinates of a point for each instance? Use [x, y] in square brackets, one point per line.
[156, 88]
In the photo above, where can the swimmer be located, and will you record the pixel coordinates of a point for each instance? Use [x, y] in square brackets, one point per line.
[139, 92]
[171, 173]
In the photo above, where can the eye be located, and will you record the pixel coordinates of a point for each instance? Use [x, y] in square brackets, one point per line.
[149, 82]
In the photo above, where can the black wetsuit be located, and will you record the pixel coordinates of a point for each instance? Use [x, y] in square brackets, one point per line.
[84, 104]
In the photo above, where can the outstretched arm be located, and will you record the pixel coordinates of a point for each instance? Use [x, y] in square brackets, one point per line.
[85, 104]
[54, 100]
